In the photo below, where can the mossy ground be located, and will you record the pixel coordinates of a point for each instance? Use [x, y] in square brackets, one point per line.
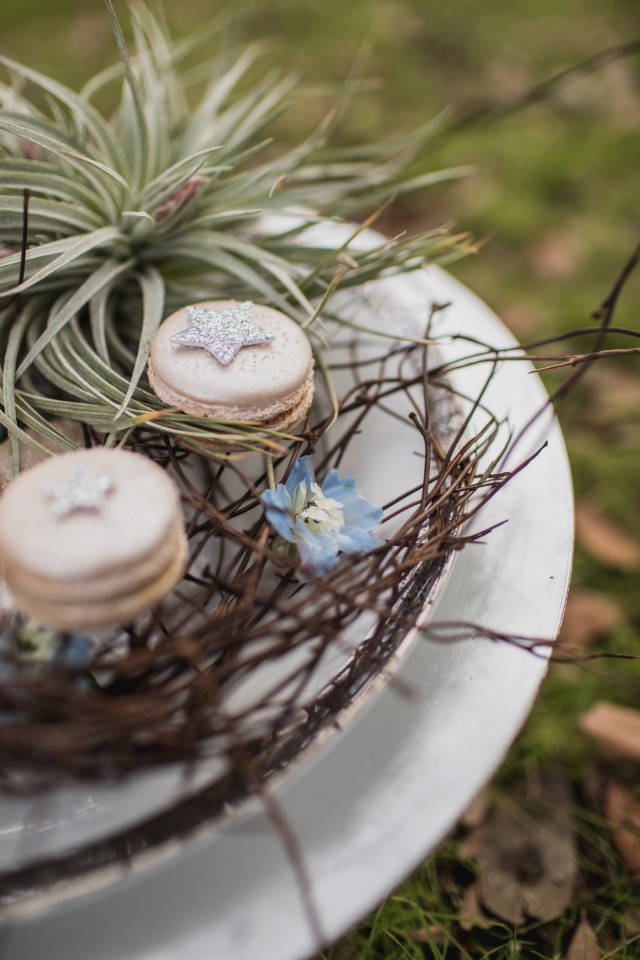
[555, 196]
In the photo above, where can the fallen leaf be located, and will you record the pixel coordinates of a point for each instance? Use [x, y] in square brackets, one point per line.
[557, 256]
[584, 945]
[631, 921]
[526, 853]
[471, 913]
[431, 934]
[622, 811]
[614, 394]
[588, 617]
[605, 541]
[344, 953]
[476, 813]
[615, 729]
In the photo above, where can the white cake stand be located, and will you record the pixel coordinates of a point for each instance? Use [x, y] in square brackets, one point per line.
[369, 804]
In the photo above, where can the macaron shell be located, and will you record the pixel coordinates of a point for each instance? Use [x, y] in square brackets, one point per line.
[135, 518]
[105, 613]
[122, 579]
[261, 382]
[283, 423]
[268, 417]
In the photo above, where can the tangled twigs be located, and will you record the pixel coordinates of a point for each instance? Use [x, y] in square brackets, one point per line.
[182, 683]
[488, 354]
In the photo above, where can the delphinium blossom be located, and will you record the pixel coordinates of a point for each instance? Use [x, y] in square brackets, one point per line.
[315, 523]
[26, 644]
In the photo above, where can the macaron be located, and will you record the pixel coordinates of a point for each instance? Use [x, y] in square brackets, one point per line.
[235, 361]
[91, 539]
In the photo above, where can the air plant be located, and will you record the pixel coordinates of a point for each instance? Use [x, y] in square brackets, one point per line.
[108, 223]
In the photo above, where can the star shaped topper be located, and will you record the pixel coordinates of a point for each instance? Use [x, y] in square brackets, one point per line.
[222, 332]
[80, 490]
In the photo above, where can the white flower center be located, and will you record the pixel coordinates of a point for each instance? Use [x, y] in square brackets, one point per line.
[322, 514]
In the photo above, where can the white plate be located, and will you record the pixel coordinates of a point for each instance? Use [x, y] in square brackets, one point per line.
[66, 821]
[369, 805]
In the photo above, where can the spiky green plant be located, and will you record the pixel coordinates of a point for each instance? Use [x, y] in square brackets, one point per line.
[109, 224]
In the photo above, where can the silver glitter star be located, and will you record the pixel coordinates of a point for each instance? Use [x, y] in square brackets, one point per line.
[80, 490]
[222, 332]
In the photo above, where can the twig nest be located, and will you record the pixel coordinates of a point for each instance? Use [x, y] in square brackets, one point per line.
[234, 362]
[92, 538]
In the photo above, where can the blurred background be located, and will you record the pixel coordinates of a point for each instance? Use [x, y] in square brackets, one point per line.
[554, 201]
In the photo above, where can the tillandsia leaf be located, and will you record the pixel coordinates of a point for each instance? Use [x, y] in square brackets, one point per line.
[161, 187]
[98, 318]
[43, 178]
[75, 248]
[46, 215]
[152, 287]
[81, 110]
[219, 89]
[278, 267]
[70, 353]
[9, 382]
[56, 142]
[162, 204]
[201, 250]
[42, 132]
[14, 406]
[141, 131]
[59, 317]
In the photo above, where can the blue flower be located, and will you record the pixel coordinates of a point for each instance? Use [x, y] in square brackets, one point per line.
[28, 648]
[316, 523]
[32, 645]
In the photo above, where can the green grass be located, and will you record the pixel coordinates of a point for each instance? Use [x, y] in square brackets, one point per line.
[556, 196]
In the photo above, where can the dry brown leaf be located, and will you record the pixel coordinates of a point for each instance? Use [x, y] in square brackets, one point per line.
[526, 852]
[615, 393]
[344, 953]
[615, 729]
[584, 945]
[631, 921]
[588, 617]
[471, 913]
[603, 540]
[431, 934]
[476, 813]
[557, 256]
[623, 813]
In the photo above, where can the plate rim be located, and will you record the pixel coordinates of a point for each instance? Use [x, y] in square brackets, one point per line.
[297, 942]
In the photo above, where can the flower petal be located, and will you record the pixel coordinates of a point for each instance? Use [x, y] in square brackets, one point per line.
[298, 498]
[355, 540]
[318, 552]
[337, 488]
[74, 650]
[276, 504]
[301, 472]
[359, 512]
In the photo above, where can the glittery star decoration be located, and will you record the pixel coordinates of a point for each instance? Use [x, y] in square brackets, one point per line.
[80, 490]
[222, 332]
